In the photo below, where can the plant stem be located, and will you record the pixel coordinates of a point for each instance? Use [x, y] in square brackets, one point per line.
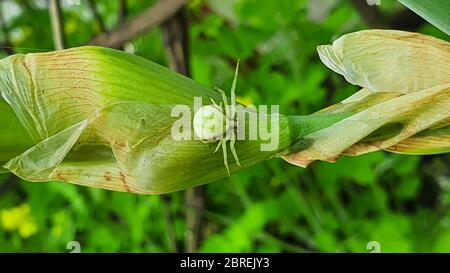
[176, 42]
[57, 24]
[300, 126]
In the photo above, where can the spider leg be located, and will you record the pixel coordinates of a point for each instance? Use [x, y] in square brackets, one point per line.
[224, 99]
[217, 147]
[233, 92]
[225, 158]
[233, 150]
[215, 103]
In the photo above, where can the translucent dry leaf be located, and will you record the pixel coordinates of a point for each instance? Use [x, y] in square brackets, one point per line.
[404, 105]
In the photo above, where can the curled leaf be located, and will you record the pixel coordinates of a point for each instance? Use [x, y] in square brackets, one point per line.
[102, 118]
[404, 105]
[389, 60]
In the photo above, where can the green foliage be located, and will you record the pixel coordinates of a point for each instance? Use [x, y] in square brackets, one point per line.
[434, 11]
[400, 201]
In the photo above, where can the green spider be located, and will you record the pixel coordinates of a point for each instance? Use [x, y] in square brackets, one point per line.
[216, 123]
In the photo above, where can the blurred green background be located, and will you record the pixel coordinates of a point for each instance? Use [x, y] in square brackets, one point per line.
[401, 202]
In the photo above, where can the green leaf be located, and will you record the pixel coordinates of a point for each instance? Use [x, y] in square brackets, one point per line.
[105, 125]
[437, 12]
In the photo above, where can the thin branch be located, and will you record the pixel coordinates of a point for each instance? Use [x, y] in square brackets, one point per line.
[123, 11]
[149, 18]
[97, 15]
[170, 232]
[57, 24]
[176, 42]
[195, 205]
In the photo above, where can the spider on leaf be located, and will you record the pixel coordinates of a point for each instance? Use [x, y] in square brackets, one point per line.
[218, 122]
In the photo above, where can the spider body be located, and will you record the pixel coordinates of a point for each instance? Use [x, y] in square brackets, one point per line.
[217, 122]
[210, 123]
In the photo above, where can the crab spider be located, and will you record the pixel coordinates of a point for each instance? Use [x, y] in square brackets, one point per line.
[215, 122]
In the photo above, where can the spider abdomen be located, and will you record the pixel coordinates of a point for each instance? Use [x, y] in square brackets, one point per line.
[210, 123]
